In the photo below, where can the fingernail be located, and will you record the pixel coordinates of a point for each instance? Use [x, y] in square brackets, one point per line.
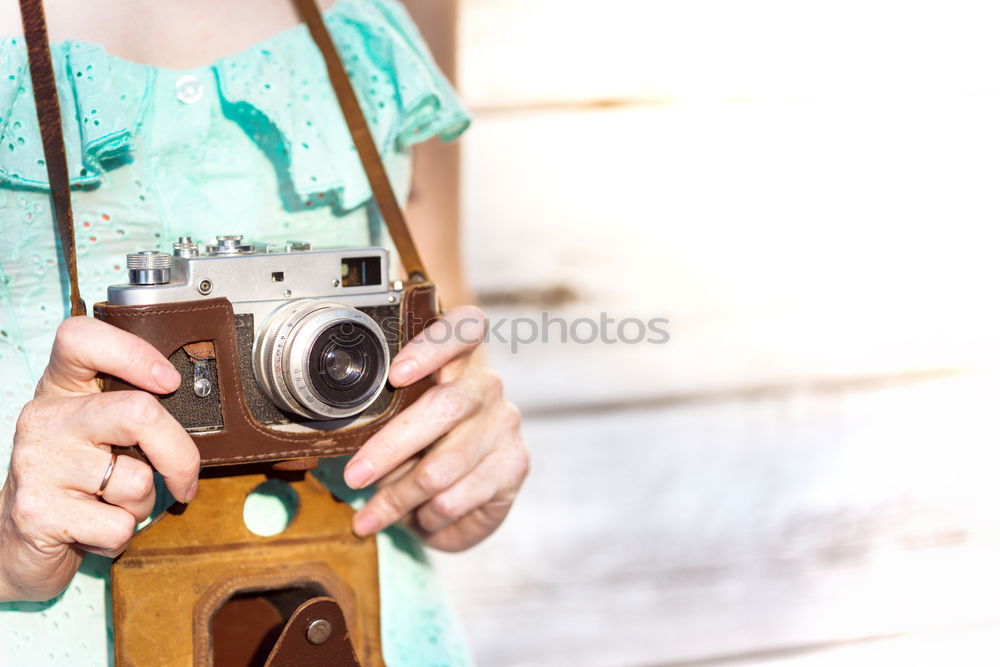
[359, 473]
[166, 376]
[192, 492]
[404, 372]
[365, 523]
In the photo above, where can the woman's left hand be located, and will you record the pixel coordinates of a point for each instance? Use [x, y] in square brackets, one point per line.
[451, 464]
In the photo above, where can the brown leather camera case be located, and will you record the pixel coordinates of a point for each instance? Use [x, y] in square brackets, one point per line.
[168, 327]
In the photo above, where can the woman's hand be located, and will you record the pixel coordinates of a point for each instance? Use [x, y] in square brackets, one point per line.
[49, 510]
[451, 464]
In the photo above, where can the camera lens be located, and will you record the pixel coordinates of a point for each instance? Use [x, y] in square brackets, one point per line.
[321, 360]
[343, 363]
[341, 366]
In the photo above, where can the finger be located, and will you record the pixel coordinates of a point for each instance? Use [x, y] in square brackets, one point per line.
[104, 527]
[389, 505]
[130, 485]
[400, 471]
[445, 464]
[457, 332]
[134, 417]
[84, 347]
[498, 472]
[435, 413]
[472, 528]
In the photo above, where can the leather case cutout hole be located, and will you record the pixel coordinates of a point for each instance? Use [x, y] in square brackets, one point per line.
[270, 508]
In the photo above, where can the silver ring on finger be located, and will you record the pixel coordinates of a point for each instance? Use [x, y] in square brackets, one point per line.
[107, 475]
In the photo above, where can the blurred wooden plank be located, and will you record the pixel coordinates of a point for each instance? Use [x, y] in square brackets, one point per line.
[969, 647]
[785, 242]
[724, 529]
[542, 52]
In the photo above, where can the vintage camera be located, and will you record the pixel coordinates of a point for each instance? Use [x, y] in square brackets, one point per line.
[313, 332]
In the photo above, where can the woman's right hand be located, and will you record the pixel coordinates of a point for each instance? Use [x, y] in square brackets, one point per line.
[49, 510]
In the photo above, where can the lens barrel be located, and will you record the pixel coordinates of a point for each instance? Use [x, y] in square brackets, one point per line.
[321, 359]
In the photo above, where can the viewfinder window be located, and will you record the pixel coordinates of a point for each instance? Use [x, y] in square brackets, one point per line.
[361, 271]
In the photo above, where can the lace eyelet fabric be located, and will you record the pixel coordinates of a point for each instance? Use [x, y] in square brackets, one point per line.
[251, 144]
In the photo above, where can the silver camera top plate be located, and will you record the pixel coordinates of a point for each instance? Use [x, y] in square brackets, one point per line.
[245, 278]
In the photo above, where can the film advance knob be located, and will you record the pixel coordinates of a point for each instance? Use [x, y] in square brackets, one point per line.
[149, 267]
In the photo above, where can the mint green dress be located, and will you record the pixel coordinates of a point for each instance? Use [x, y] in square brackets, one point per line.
[253, 144]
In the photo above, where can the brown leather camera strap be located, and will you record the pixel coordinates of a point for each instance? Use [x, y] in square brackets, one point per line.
[50, 122]
[43, 83]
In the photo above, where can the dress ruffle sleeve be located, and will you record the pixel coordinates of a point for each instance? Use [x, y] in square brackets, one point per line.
[101, 108]
[284, 91]
[275, 91]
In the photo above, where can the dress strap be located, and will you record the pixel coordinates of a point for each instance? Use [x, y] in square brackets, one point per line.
[50, 122]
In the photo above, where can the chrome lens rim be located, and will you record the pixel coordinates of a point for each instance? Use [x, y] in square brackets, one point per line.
[281, 357]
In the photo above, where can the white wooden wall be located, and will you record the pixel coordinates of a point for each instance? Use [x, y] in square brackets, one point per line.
[808, 190]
